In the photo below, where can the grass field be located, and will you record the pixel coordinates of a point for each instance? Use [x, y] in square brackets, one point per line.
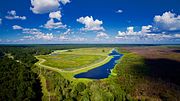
[85, 51]
[71, 61]
[75, 58]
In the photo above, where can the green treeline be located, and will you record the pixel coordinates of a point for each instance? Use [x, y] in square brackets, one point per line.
[61, 89]
[17, 81]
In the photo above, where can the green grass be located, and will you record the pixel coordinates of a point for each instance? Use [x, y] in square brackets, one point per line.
[87, 51]
[129, 64]
[75, 58]
[71, 61]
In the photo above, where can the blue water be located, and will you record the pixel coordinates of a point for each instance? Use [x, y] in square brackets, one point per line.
[101, 71]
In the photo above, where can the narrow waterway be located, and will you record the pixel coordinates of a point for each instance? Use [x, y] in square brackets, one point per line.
[101, 71]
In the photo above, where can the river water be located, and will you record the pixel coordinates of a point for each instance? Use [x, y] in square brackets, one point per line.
[102, 71]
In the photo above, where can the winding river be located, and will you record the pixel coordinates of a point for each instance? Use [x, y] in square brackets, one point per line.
[102, 71]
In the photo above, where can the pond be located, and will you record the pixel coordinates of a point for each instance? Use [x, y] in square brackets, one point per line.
[102, 71]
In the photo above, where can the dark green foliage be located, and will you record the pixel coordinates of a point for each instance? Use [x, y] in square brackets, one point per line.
[134, 76]
[1, 54]
[80, 87]
[69, 50]
[17, 82]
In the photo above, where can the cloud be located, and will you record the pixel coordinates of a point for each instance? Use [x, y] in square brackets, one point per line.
[12, 15]
[0, 21]
[51, 24]
[90, 23]
[36, 34]
[167, 22]
[177, 35]
[54, 25]
[33, 33]
[15, 27]
[77, 39]
[69, 36]
[67, 32]
[48, 36]
[119, 11]
[44, 6]
[102, 35]
[144, 34]
[146, 29]
[72, 39]
[55, 15]
[40, 35]
[129, 32]
[63, 38]
[64, 1]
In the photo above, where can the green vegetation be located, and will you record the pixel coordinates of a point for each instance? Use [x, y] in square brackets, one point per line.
[74, 62]
[135, 77]
[75, 58]
[132, 79]
[88, 51]
[70, 61]
[17, 81]
[59, 88]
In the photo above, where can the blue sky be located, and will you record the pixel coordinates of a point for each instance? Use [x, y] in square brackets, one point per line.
[89, 21]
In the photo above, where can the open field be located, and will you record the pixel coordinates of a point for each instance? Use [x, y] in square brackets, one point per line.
[71, 61]
[75, 58]
[86, 51]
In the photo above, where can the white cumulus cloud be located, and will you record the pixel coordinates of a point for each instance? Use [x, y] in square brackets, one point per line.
[119, 11]
[33, 33]
[51, 24]
[55, 15]
[44, 6]
[54, 25]
[64, 1]
[146, 29]
[12, 15]
[17, 27]
[144, 34]
[90, 23]
[168, 21]
[67, 32]
[102, 35]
